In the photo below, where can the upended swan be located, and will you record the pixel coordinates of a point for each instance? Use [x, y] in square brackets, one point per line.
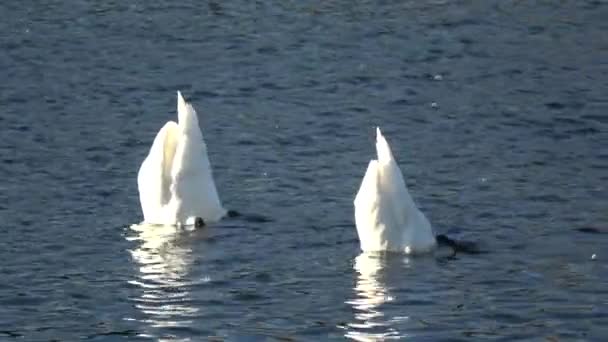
[386, 217]
[175, 180]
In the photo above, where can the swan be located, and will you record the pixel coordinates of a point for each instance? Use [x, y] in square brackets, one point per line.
[386, 217]
[175, 180]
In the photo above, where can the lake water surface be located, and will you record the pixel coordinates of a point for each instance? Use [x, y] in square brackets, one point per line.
[497, 112]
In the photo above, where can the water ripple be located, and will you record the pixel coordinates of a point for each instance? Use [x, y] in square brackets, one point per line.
[163, 258]
[496, 112]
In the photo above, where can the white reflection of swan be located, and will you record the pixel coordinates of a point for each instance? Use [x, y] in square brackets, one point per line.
[370, 323]
[163, 276]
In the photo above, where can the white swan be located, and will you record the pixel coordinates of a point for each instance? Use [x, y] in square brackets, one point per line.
[175, 180]
[386, 217]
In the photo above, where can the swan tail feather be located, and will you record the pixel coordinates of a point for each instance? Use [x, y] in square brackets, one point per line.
[383, 150]
[193, 188]
[385, 215]
[187, 117]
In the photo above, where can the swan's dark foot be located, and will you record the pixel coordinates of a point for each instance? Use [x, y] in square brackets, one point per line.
[233, 213]
[458, 246]
[199, 222]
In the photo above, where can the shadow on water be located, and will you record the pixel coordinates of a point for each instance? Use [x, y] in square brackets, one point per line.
[163, 259]
[371, 322]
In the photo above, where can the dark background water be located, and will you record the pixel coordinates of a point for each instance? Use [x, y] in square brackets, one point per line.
[496, 110]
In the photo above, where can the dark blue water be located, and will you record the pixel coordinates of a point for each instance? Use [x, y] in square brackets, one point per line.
[496, 110]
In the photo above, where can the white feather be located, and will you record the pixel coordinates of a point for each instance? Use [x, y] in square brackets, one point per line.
[175, 180]
[386, 217]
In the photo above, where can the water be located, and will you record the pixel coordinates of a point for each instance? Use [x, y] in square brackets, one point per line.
[496, 111]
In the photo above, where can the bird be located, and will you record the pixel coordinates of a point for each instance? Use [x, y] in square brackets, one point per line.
[175, 180]
[386, 217]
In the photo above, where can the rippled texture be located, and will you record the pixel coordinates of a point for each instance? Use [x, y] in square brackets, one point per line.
[496, 111]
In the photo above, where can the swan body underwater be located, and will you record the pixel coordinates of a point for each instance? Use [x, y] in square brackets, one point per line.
[175, 180]
[386, 217]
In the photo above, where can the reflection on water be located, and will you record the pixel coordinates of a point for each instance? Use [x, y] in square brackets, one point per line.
[371, 293]
[163, 258]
